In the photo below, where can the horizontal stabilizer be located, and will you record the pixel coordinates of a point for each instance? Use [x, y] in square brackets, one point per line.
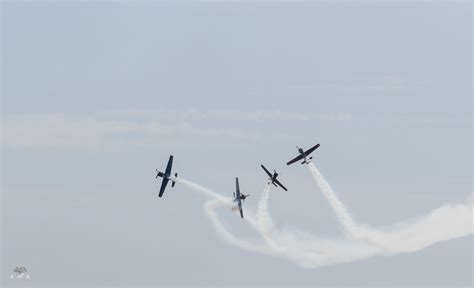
[174, 181]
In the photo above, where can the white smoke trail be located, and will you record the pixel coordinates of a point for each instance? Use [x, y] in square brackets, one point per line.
[202, 190]
[341, 212]
[225, 234]
[309, 251]
[304, 249]
[264, 221]
[442, 224]
[265, 224]
[209, 193]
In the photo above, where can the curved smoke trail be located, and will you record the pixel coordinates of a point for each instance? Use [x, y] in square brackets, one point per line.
[304, 249]
[310, 251]
[209, 193]
[442, 224]
[225, 234]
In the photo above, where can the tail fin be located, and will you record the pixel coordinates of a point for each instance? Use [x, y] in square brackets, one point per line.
[174, 181]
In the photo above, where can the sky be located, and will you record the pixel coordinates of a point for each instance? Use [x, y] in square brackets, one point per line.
[96, 95]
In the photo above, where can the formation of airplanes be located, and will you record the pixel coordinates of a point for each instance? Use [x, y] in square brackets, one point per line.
[238, 196]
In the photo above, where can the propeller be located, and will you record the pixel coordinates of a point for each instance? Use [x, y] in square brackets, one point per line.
[156, 173]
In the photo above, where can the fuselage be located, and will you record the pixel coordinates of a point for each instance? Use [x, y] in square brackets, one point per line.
[274, 177]
[240, 197]
[301, 151]
[166, 176]
[163, 175]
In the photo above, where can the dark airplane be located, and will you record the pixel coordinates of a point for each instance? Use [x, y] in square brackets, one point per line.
[303, 155]
[273, 178]
[239, 197]
[166, 176]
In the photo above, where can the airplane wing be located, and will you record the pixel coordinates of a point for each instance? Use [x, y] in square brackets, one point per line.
[279, 184]
[310, 150]
[163, 186]
[237, 188]
[240, 209]
[268, 172]
[297, 158]
[168, 166]
[237, 197]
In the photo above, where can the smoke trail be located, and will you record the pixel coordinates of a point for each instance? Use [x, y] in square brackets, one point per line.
[219, 201]
[309, 251]
[341, 212]
[209, 207]
[303, 249]
[442, 224]
[264, 221]
[209, 193]
[203, 190]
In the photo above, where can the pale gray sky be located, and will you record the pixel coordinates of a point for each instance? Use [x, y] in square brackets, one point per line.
[96, 95]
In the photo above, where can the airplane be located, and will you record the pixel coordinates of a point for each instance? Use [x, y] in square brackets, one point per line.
[273, 178]
[166, 176]
[239, 197]
[303, 155]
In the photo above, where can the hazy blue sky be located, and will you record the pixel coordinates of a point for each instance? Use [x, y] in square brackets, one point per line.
[96, 95]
